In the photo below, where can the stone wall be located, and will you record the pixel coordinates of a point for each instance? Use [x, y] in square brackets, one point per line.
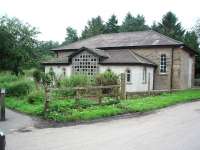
[181, 73]
[161, 81]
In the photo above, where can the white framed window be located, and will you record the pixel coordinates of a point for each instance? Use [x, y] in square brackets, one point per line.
[128, 76]
[163, 63]
[144, 76]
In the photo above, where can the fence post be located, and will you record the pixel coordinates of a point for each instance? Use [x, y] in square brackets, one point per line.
[77, 95]
[123, 86]
[46, 101]
[99, 95]
[2, 104]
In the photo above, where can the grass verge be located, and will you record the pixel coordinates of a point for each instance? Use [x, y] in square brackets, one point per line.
[69, 110]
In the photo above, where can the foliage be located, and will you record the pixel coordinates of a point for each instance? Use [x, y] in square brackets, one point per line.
[46, 79]
[76, 80]
[41, 53]
[35, 97]
[191, 40]
[17, 42]
[71, 36]
[132, 23]
[37, 75]
[6, 78]
[60, 93]
[19, 47]
[107, 78]
[112, 25]
[170, 26]
[197, 28]
[157, 102]
[23, 106]
[197, 31]
[69, 110]
[94, 27]
[19, 88]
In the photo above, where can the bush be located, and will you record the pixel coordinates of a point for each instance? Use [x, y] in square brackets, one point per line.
[63, 93]
[7, 78]
[19, 88]
[76, 80]
[35, 97]
[107, 78]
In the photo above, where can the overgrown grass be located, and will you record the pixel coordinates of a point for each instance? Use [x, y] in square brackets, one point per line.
[156, 102]
[70, 110]
[22, 105]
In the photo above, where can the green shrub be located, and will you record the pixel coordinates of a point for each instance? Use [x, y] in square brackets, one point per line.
[23, 106]
[66, 105]
[107, 78]
[19, 88]
[7, 78]
[63, 93]
[76, 80]
[35, 97]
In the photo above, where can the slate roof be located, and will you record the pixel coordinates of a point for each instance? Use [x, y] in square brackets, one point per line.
[113, 57]
[97, 52]
[126, 57]
[124, 39]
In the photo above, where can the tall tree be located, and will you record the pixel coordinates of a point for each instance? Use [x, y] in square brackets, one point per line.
[132, 23]
[71, 36]
[191, 40]
[170, 26]
[197, 31]
[41, 53]
[18, 41]
[112, 25]
[95, 26]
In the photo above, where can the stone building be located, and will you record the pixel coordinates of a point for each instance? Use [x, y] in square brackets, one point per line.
[150, 60]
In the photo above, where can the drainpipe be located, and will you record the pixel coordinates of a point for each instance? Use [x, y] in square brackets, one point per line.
[171, 74]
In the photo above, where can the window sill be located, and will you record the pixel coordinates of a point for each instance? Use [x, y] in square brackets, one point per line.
[163, 74]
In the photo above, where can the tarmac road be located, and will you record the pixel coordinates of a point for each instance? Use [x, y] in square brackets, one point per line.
[172, 128]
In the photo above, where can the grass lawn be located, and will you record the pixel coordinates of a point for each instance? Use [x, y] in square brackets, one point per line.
[69, 110]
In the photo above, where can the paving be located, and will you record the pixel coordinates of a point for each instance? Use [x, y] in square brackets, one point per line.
[172, 128]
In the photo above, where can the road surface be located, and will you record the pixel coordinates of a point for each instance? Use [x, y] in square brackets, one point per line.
[172, 128]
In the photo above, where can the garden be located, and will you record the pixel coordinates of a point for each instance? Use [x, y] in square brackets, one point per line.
[26, 94]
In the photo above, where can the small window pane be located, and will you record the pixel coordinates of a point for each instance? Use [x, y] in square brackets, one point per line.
[128, 76]
[163, 63]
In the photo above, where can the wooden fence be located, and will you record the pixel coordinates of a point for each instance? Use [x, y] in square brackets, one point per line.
[116, 91]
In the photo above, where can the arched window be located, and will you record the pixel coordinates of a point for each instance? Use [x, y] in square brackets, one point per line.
[128, 76]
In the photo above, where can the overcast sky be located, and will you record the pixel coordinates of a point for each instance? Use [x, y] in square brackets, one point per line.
[52, 17]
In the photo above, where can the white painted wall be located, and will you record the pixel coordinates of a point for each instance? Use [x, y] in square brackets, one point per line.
[190, 64]
[136, 76]
[59, 70]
